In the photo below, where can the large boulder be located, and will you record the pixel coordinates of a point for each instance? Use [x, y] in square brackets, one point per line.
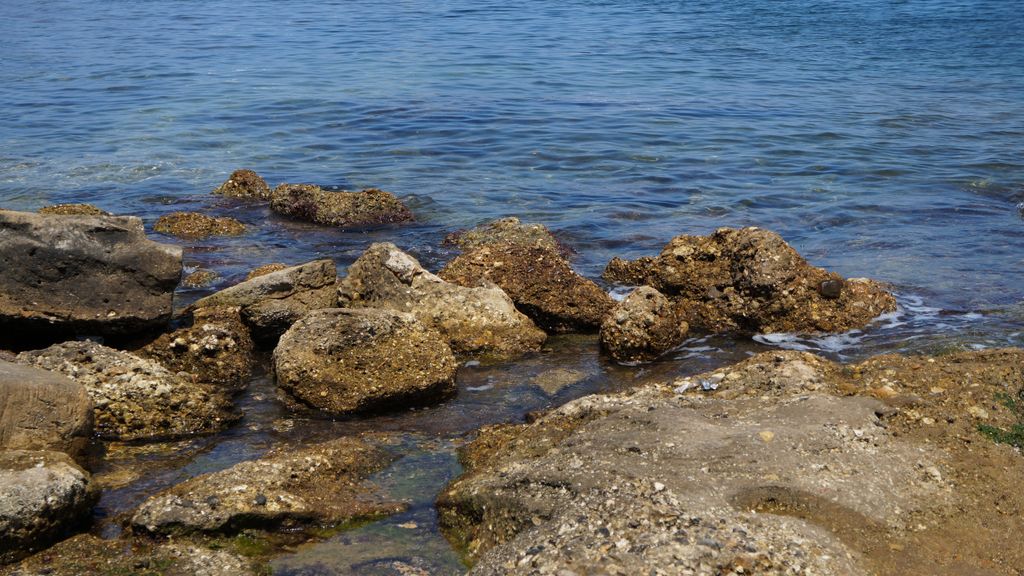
[244, 183]
[273, 302]
[540, 282]
[215, 349]
[43, 410]
[43, 496]
[356, 360]
[320, 485]
[642, 327]
[136, 398]
[66, 275]
[342, 209]
[508, 229]
[480, 320]
[751, 281]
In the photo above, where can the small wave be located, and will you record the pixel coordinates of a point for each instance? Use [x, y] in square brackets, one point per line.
[619, 293]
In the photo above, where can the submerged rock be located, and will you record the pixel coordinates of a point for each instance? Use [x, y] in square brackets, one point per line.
[216, 349]
[480, 320]
[73, 210]
[67, 275]
[42, 410]
[136, 398]
[750, 281]
[244, 183]
[343, 209]
[265, 269]
[196, 225]
[642, 327]
[357, 360]
[200, 278]
[506, 230]
[539, 281]
[272, 302]
[320, 485]
[43, 496]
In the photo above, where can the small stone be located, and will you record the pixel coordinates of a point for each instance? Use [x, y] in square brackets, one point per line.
[658, 486]
[766, 436]
[831, 289]
[978, 412]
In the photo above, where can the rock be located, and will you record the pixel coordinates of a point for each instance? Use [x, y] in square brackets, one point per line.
[136, 398]
[41, 410]
[539, 281]
[265, 269]
[43, 495]
[67, 275]
[554, 380]
[201, 278]
[216, 349]
[480, 320]
[87, 554]
[787, 466]
[342, 209]
[506, 230]
[629, 272]
[642, 327]
[196, 225]
[272, 302]
[319, 485]
[357, 360]
[73, 210]
[750, 281]
[244, 184]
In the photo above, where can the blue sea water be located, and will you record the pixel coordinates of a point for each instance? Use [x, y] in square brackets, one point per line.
[881, 138]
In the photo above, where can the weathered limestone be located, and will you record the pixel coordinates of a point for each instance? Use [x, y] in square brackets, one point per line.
[73, 210]
[506, 230]
[477, 321]
[244, 183]
[642, 327]
[194, 225]
[342, 209]
[43, 410]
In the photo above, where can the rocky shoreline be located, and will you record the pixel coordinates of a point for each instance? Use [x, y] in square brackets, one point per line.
[783, 463]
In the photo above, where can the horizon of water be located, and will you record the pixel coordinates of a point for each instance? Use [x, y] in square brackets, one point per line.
[880, 138]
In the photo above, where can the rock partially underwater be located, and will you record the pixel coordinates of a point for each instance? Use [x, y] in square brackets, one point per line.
[194, 225]
[244, 183]
[342, 209]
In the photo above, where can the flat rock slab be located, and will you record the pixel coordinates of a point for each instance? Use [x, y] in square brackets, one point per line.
[43, 410]
[66, 275]
[136, 398]
[481, 320]
[345, 360]
[43, 495]
[320, 485]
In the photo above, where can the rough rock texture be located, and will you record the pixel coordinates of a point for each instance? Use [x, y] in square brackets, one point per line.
[642, 327]
[86, 554]
[265, 269]
[539, 281]
[200, 278]
[343, 209]
[43, 495]
[135, 398]
[506, 230]
[320, 485]
[356, 360]
[481, 320]
[196, 225]
[216, 349]
[785, 463]
[244, 184]
[272, 302]
[73, 210]
[751, 281]
[82, 274]
[629, 272]
[42, 410]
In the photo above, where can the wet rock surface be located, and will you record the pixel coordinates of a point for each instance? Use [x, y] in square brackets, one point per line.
[67, 275]
[357, 360]
[136, 398]
[43, 495]
[642, 327]
[750, 281]
[506, 230]
[477, 321]
[319, 485]
[342, 209]
[43, 410]
[194, 225]
[265, 269]
[539, 281]
[272, 302]
[73, 210]
[783, 463]
[200, 279]
[244, 183]
[216, 349]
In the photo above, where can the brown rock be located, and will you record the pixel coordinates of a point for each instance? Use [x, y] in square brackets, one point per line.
[342, 209]
[196, 225]
[200, 278]
[506, 230]
[42, 410]
[244, 184]
[356, 360]
[265, 269]
[73, 210]
[642, 327]
[629, 272]
[539, 281]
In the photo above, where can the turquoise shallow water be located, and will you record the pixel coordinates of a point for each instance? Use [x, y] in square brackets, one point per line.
[880, 138]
